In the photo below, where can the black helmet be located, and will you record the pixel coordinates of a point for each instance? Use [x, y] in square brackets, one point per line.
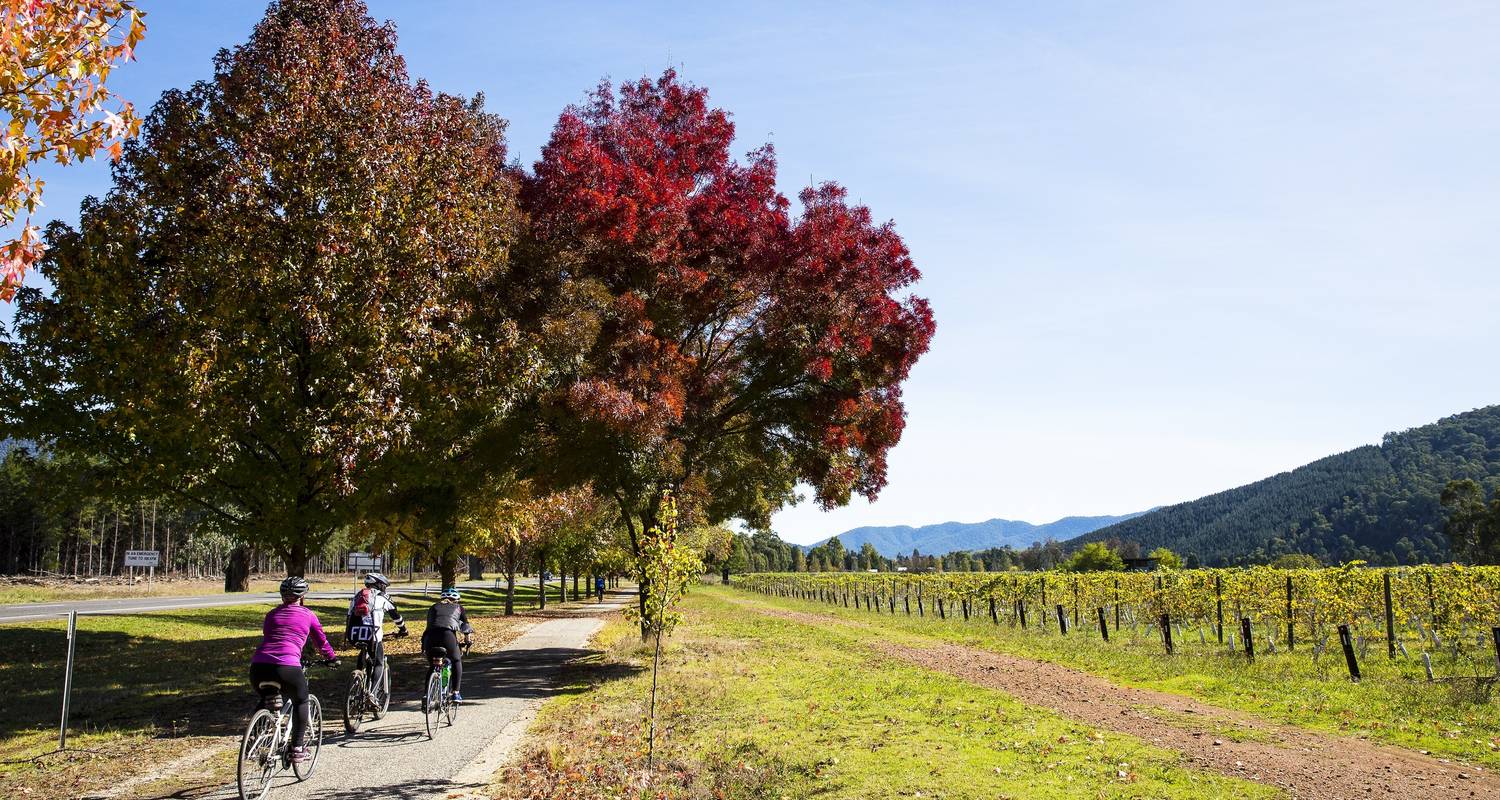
[377, 580]
[294, 586]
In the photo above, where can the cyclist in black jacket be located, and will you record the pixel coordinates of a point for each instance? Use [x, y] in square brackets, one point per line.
[445, 620]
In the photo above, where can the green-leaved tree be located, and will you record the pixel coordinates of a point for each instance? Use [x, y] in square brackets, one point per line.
[251, 318]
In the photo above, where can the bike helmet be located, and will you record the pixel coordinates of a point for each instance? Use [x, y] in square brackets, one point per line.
[451, 593]
[294, 586]
[376, 580]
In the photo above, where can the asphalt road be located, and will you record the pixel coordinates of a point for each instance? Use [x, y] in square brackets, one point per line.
[23, 612]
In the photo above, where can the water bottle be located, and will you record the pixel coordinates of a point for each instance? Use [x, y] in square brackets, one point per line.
[447, 677]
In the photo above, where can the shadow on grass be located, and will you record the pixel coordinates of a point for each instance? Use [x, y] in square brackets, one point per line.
[173, 673]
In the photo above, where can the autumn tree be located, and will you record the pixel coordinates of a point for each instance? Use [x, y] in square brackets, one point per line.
[55, 61]
[251, 318]
[738, 350]
[499, 524]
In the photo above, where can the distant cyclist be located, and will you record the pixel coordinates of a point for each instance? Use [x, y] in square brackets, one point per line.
[279, 656]
[445, 620]
[599, 587]
[367, 611]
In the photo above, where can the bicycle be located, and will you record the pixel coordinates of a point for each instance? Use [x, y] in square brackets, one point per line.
[437, 703]
[266, 747]
[362, 696]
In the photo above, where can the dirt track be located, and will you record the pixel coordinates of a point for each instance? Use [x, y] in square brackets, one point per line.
[1307, 765]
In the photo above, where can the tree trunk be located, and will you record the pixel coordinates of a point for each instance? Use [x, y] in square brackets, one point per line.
[575, 585]
[296, 560]
[541, 582]
[725, 573]
[448, 570]
[510, 578]
[476, 568]
[237, 570]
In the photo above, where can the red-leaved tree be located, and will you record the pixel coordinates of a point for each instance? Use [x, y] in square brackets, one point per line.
[55, 58]
[737, 350]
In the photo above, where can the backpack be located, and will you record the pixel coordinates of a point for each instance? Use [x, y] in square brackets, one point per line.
[355, 629]
[361, 604]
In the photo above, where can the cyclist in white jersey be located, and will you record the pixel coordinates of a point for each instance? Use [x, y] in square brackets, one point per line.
[367, 614]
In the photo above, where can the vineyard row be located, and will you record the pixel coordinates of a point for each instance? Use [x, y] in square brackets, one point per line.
[1446, 610]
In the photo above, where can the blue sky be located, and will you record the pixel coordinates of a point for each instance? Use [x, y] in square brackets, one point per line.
[1171, 247]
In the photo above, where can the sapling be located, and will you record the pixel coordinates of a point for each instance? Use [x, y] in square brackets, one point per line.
[667, 567]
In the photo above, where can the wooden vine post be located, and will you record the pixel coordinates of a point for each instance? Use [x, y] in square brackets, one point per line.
[1390, 619]
[1291, 639]
[1219, 604]
[1348, 642]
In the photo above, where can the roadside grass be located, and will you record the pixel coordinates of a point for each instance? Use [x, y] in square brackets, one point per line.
[753, 706]
[148, 687]
[1457, 718]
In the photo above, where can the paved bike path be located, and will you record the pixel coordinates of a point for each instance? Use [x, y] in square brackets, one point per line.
[393, 758]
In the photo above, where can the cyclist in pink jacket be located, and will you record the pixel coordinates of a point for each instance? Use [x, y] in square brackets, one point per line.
[278, 659]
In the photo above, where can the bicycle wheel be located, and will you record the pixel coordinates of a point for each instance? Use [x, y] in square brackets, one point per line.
[314, 739]
[258, 762]
[354, 704]
[432, 703]
[450, 707]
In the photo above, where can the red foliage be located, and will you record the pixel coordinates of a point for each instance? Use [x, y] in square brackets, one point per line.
[734, 327]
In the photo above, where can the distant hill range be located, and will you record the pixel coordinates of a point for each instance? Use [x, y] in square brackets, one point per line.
[1378, 503]
[946, 537]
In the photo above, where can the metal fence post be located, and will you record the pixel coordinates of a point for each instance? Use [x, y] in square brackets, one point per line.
[62, 732]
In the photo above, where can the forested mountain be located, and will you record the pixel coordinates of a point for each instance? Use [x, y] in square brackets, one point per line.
[1376, 503]
[946, 537]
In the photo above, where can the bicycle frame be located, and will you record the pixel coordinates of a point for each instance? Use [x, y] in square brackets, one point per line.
[272, 752]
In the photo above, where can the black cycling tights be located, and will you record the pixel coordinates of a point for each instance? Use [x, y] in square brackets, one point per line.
[293, 685]
[434, 638]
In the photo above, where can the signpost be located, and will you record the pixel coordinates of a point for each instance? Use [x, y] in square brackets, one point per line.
[62, 733]
[143, 558]
[364, 562]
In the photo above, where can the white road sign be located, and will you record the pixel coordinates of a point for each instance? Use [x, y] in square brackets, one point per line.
[142, 558]
[365, 562]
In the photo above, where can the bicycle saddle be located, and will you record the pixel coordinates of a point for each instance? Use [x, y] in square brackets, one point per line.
[270, 692]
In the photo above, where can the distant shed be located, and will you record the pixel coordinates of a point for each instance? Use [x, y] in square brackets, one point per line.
[1147, 564]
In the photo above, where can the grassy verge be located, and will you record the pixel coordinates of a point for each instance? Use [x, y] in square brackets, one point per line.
[753, 706]
[1454, 718]
[149, 687]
